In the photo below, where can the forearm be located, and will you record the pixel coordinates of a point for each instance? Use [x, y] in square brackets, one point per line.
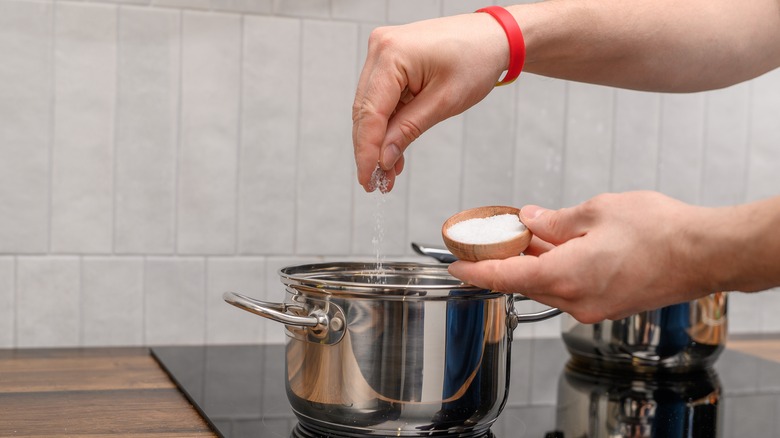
[654, 45]
[741, 246]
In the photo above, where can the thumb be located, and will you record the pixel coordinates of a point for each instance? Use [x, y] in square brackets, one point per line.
[553, 226]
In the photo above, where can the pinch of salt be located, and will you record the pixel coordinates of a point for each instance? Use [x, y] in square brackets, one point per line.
[491, 229]
[379, 180]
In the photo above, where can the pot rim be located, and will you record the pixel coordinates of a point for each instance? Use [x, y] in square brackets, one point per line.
[395, 280]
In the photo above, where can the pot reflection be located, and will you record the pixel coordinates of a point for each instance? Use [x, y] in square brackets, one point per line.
[638, 406]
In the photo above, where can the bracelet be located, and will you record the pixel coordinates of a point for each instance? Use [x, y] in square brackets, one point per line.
[516, 42]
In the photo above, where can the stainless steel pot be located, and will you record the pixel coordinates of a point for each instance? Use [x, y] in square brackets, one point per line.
[407, 350]
[679, 338]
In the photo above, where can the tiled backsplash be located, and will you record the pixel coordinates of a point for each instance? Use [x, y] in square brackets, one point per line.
[154, 154]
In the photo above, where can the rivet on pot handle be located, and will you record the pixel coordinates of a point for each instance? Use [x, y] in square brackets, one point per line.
[326, 326]
[516, 318]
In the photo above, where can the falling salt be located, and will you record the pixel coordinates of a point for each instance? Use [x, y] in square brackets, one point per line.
[379, 180]
[491, 229]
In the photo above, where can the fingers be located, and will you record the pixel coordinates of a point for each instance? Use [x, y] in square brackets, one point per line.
[369, 127]
[538, 247]
[380, 89]
[546, 280]
[515, 274]
[555, 226]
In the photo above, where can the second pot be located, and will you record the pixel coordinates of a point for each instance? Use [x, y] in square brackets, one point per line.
[677, 339]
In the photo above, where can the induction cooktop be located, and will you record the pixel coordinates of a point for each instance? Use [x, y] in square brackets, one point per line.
[240, 391]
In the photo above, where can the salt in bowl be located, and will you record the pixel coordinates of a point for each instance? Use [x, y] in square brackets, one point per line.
[478, 243]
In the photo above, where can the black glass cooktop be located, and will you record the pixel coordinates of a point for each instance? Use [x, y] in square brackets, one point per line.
[240, 390]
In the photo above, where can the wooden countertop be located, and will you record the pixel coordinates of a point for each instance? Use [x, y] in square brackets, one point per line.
[123, 391]
[100, 391]
[765, 347]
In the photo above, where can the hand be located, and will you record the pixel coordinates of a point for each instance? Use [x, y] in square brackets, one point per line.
[608, 258]
[417, 75]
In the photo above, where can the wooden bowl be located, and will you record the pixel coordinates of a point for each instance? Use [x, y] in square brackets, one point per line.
[475, 252]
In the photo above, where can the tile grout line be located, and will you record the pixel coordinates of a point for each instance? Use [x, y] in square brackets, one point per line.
[178, 134]
[115, 137]
[239, 135]
[748, 142]
[297, 151]
[613, 141]
[703, 152]
[660, 150]
[565, 141]
[52, 125]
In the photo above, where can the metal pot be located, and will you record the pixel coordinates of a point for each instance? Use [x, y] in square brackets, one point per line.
[407, 350]
[678, 338]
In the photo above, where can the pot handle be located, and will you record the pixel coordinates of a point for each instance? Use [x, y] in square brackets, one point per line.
[444, 256]
[516, 318]
[324, 324]
[278, 312]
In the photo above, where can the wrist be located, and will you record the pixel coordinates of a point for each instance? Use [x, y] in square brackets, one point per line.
[724, 243]
[515, 42]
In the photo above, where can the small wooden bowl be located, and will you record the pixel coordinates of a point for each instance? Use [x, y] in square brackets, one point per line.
[475, 252]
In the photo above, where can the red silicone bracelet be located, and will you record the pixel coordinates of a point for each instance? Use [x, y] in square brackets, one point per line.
[516, 42]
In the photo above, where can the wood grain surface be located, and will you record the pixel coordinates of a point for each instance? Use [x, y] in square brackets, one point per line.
[765, 347]
[92, 392]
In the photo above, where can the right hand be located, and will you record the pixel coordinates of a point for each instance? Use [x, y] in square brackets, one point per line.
[613, 256]
[417, 75]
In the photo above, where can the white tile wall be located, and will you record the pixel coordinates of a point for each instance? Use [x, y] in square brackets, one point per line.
[228, 324]
[85, 72]
[405, 11]
[25, 111]
[325, 175]
[48, 307]
[433, 166]
[488, 175]
[174, 300]
[725, 152]
[681, 146]
[371, 11]
[155, 153]
[146, 133]
[540, 137]
[587, 161]
[303, 8]
[763, 132]
[635, 148]
[112, 301]
[208, 149]
[269, 135]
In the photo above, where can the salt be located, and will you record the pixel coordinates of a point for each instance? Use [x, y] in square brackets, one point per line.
[491, 229]
[379, 180]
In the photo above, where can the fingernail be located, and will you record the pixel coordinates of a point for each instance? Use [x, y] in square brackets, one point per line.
[532, 211]
[390, 156]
